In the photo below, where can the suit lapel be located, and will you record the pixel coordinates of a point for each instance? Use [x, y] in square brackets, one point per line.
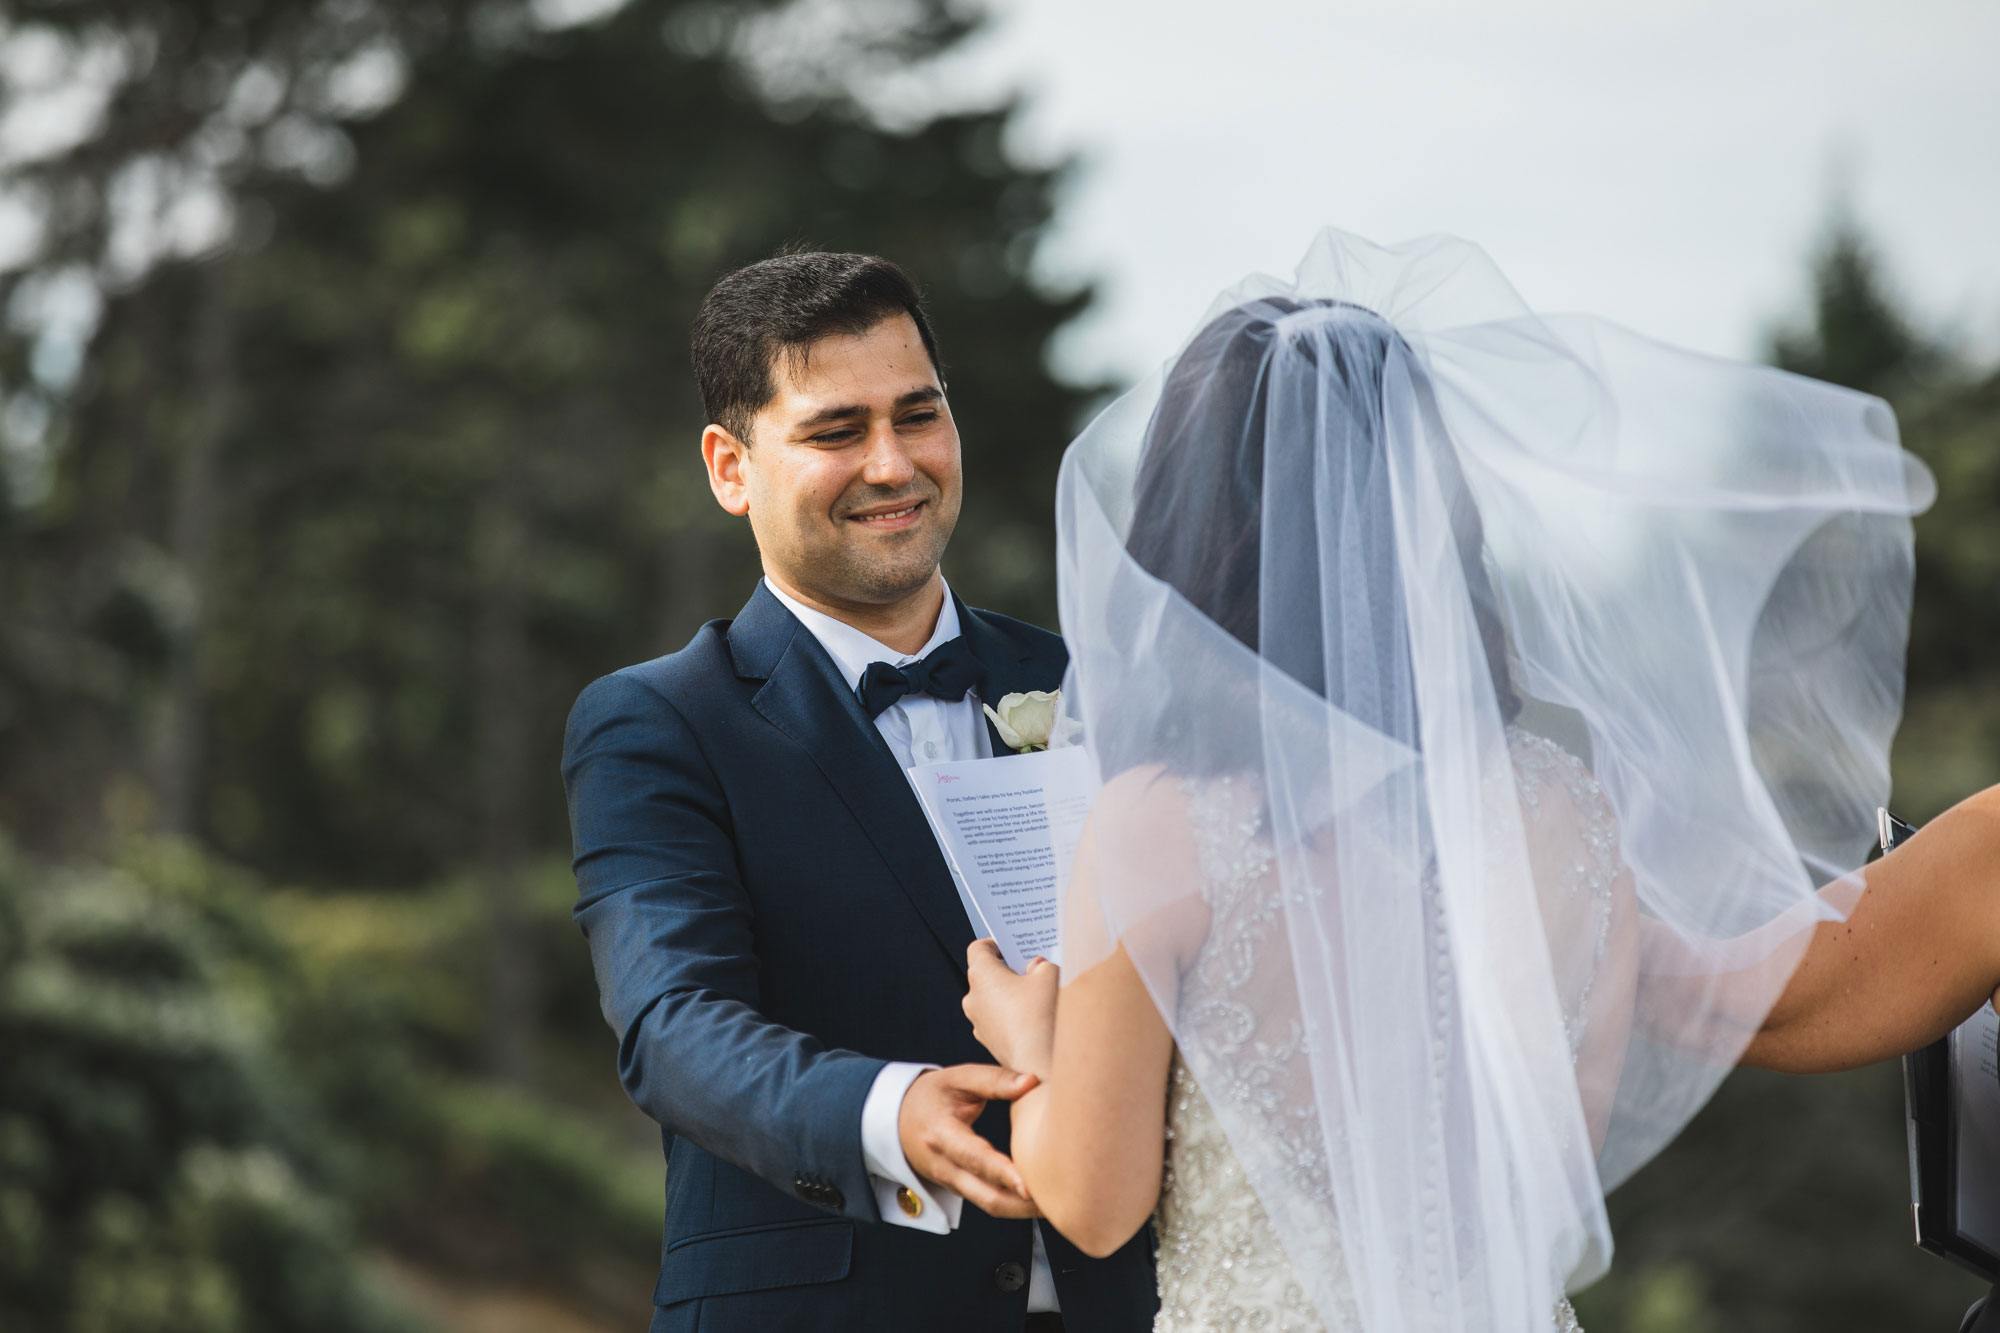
[805, 697]
[1011, 668]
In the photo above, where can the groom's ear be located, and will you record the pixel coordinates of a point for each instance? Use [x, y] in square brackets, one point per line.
[727, 458]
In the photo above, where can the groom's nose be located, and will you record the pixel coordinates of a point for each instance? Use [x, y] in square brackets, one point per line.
[887, 463]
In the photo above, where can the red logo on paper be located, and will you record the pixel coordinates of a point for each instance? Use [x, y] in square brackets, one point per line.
[948, 777]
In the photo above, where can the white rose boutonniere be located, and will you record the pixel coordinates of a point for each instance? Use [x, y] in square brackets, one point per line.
[1024, 721]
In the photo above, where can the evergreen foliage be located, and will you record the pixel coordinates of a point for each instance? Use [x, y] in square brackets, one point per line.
[1857, 335]
[157, 1172]
[216, 1098]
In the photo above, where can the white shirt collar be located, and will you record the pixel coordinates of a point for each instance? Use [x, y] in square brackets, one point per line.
[851, 650]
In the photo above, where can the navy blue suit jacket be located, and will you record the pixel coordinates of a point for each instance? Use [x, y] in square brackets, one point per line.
[771, 921]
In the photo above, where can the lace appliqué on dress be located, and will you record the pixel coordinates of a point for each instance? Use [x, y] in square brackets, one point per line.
[1221, 1263]
[1585, 884]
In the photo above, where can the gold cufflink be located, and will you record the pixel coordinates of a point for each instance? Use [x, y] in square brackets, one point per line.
[907, 1200]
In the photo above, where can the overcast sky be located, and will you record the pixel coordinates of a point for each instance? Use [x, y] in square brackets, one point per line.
[1664, 164]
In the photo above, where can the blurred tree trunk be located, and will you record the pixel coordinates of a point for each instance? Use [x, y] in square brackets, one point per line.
[504, 711]
[197, 487]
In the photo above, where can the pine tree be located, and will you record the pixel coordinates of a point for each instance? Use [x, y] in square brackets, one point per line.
[1855, 334]
[1858, 335]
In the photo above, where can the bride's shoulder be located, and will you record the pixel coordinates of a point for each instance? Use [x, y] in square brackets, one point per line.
[1148, 786]
[1140, 845]
[1149, 799]
[1568, 819]
[1142, 818]
[1552, 779]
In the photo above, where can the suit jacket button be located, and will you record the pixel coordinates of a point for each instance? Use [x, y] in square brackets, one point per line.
[1010, 1276]
[907, 1200]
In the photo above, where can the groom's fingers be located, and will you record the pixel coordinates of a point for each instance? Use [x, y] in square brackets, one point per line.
[989, 1083]
[983, 1175]
[966, 1151]
[992, 1202]
[935, 1125]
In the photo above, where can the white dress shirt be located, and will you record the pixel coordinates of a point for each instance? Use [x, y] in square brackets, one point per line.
[920, 730]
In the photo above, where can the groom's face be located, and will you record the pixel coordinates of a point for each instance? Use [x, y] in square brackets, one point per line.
[850, 477]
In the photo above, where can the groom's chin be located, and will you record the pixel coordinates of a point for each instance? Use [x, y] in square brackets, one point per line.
[891, 566]
[884, 587]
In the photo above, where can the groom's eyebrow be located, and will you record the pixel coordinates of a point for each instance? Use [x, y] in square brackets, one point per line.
[929, 393]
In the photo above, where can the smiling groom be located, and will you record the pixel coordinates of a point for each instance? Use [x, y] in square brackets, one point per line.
[778, 943]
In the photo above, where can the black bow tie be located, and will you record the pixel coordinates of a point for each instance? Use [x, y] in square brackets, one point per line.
[947, 674]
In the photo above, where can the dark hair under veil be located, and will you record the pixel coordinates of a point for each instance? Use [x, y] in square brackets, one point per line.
[1204, 493]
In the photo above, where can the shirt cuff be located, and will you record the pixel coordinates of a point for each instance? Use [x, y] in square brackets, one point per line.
[889, 1170]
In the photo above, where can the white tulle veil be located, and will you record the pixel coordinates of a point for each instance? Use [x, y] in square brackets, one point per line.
[1367, 533]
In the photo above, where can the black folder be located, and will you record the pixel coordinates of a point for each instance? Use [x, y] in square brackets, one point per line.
[1951, 1096]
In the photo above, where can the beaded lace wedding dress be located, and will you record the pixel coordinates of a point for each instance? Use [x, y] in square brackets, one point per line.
[1221, 1264]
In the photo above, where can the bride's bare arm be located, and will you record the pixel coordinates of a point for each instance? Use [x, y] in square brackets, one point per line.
[1089, 1139]
[1919, 952]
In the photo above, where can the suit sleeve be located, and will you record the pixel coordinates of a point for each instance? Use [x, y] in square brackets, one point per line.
[669, 925]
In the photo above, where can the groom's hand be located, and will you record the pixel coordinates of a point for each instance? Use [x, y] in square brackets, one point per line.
[935, 1125]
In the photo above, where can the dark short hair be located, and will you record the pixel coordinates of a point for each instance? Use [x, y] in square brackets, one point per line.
[784, 305]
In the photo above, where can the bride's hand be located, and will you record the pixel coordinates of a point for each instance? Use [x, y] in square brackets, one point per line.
[1013, 1015]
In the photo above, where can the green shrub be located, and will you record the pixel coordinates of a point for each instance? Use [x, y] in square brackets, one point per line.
[158, 1169]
